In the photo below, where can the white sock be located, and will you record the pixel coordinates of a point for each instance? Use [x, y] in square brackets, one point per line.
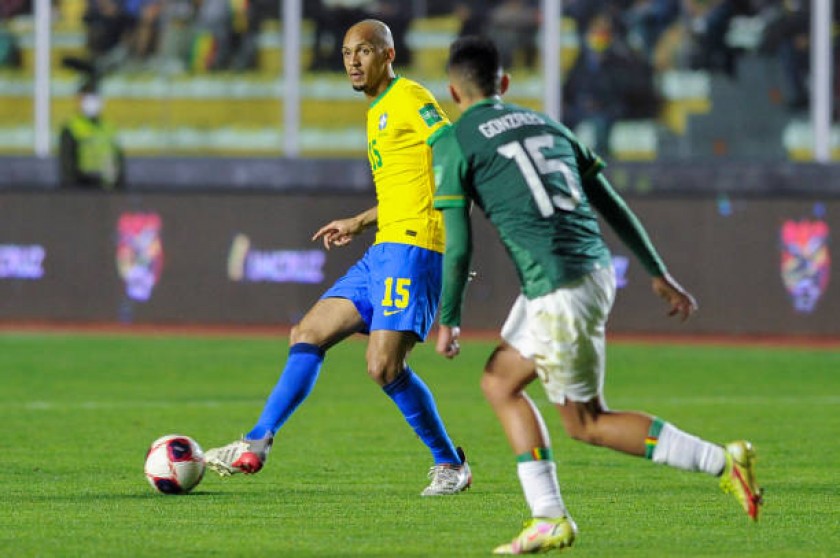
[542, 491]
[685, 451]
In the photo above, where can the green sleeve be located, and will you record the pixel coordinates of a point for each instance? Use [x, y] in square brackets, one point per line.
[456, 263]
[451, 170]
[624, 222]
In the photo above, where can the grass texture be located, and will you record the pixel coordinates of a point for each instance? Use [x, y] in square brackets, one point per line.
[79, 411]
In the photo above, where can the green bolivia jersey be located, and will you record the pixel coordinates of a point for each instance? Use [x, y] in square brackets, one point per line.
[525, 171]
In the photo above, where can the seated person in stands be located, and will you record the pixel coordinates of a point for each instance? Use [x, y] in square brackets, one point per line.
[608, 82]
[332, 18]
[514, 24]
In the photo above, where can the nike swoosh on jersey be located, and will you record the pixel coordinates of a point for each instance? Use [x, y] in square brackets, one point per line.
[392, 312]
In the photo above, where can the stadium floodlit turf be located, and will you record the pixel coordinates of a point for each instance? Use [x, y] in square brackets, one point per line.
[78, 412]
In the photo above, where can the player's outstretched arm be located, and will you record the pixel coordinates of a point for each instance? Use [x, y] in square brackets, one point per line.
[624, 222]
[680, 301]
[341, 231]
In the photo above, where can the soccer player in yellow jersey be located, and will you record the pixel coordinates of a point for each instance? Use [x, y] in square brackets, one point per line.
[392, 293]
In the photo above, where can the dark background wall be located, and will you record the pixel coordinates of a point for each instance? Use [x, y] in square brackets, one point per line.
[232, 174]
[246, 258]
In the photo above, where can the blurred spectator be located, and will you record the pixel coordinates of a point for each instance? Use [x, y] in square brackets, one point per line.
[708, 21]
[89, 155]
[397, 14]
[583, 11]
[10, 52]
[123, 32]
[143, 33]
[175, 35]
[106, 23]
[473, 15]
[787, 36]
[443, 7]
[645, 22]
[247, 26]
[513, 25]
[211, 49]
[10, 55]
[332, 18]
[608, 82]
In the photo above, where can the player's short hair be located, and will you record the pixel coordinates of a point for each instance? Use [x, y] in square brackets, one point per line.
[476, 61]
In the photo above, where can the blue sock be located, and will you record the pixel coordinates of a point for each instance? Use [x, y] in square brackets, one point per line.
[417, 405]
[295, 384]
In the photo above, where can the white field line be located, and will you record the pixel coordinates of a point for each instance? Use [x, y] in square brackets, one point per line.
[113, 404]
[724, 400]
[42, 405]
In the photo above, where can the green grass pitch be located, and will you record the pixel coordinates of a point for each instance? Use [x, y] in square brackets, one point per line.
[79, 410]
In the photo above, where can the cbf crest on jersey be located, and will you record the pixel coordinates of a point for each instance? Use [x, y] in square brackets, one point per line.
[139, 253]
[383, 120]
[805, 262]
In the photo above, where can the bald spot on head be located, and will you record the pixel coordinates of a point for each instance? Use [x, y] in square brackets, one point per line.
[373, 31]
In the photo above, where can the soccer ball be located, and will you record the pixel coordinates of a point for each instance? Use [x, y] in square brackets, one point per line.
[174, 464]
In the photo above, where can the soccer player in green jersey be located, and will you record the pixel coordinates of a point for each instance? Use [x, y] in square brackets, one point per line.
[540, 188]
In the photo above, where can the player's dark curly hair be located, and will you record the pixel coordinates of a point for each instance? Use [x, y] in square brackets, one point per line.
[476, 60]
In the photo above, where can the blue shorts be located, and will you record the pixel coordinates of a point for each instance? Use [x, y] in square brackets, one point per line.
[394, 287]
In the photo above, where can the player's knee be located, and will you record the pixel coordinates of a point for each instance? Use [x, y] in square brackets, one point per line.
[488, 386]
[302, 334]
[496, 388]
[382, 370]
[296, 335]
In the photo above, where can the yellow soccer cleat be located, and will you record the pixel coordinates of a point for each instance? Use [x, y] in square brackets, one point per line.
[541, 534]
[738, 477]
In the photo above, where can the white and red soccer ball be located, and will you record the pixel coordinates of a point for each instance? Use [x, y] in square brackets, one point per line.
[174, 464]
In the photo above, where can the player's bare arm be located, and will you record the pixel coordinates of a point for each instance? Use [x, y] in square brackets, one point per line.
[341, 231]
[680, 301]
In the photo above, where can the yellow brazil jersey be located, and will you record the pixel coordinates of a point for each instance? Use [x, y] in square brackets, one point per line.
[399, 122]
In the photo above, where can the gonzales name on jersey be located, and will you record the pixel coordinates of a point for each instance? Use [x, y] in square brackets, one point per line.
[399, 122]
[526, 173]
